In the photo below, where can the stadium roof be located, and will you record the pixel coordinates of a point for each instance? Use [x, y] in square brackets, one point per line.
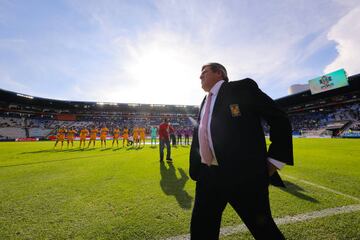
[306, 96]
[12, 98]
[9, 97]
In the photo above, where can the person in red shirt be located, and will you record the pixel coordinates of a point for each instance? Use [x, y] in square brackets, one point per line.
[164, 140]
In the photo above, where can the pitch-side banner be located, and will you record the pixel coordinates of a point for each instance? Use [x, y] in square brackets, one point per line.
[328, 82]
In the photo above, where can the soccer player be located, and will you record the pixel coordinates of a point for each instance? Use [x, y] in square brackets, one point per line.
[136, 137]
[153, 132]
[60, 137]
[172, 135]
[130, 141]
[103, 133]
[83, 133]
[142, 135]
[179, 133]
[71, 136]
[93, 133]
[125, 136]
[116, 135]
[187, 136]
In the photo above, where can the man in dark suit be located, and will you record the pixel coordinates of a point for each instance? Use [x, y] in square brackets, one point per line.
[229, 160]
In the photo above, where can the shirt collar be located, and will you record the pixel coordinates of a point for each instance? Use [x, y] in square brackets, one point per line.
[215, 89]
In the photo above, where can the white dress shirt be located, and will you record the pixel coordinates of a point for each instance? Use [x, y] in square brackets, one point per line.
[215, 90]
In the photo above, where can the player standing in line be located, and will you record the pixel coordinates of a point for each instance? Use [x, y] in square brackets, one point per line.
[179, 135]
[125, 136]
[142, 131]
[103, 134]
[116, 135]
[83, 133]
[93, 133]
[153, 132]
[172, 135]
[71, 136]
[60, 137]
[187, 136]
[136, 136]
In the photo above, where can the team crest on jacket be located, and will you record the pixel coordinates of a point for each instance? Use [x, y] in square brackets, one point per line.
[235, 110]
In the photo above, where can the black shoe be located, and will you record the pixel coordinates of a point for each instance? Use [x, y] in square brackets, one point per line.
[169, 160]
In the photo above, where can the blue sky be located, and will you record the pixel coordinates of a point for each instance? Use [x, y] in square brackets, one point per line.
[152, 51]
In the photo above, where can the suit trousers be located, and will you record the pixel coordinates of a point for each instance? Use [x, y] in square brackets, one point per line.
[164, 142]
[250, 200]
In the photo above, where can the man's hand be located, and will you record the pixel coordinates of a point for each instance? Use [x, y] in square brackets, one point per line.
[271, 168]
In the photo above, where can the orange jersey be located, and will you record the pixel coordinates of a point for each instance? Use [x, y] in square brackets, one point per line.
[83, 133]
[61, 134]
[135, 133]
[142, 133]
[71, 134]
[116, 133]
[126, 133]
[103, 133]
[93, 133]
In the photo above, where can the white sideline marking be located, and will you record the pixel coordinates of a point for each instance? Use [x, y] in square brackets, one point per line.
[226, 231]
[322, 187]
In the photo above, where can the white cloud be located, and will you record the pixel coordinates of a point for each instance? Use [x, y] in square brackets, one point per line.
[173, 51]
[346, 33]
[153, 52]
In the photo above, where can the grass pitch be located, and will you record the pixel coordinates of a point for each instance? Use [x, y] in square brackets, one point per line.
[124, 193]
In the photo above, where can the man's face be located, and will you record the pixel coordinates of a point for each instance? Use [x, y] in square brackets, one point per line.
[209, 78]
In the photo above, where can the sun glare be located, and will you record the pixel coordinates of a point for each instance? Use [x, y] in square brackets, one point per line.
[161, 66]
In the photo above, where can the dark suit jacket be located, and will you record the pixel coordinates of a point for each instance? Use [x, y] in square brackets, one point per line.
[238, 138]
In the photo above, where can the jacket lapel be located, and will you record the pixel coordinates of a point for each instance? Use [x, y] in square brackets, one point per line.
[201, 107]
[219, 99]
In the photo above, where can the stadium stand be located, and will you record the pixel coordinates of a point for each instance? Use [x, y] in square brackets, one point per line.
[34, 117]
[334, 113]
[327, 114]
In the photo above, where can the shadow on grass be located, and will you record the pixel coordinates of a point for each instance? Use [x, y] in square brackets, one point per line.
[43, 151]
[171, 185]
[75, 149]
[117, 149]
[133, 148]
[297, 191]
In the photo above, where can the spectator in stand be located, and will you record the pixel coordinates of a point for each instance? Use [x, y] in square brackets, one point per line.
[164, 140]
